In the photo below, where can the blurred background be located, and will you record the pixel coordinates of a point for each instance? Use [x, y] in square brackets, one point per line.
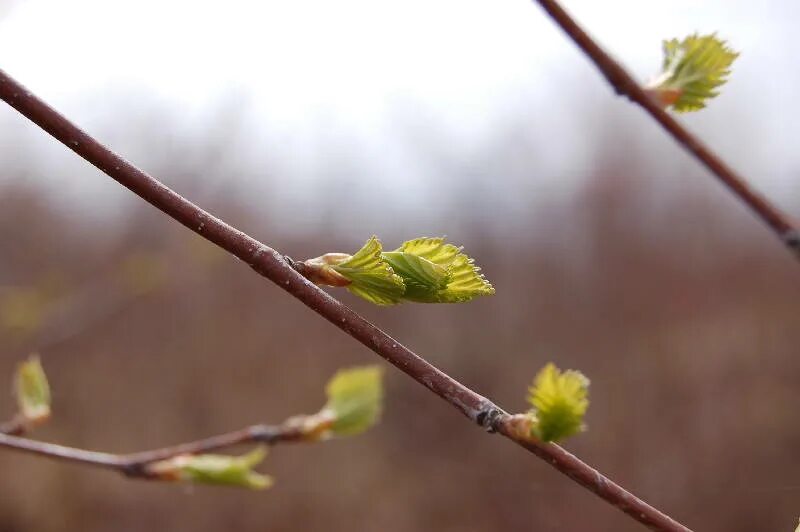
[312, 125]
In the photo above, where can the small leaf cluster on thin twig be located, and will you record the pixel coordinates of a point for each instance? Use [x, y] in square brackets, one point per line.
[423, 270]
[354, 405]
[559, 400]
[692, 71]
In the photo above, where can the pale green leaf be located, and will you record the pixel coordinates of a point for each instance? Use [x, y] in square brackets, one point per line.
[560, 401]
[216, 469]
[423, 279]
[32, 391]
[372, 278]
[437, 272]
[692, 71]
[465, 283]
[355, 399]
[433, 249]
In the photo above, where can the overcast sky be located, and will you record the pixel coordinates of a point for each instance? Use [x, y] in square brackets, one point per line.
[314, 75]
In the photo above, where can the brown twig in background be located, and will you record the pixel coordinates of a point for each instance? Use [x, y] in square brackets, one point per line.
[135, 465]
[272, 265]
[624, 84]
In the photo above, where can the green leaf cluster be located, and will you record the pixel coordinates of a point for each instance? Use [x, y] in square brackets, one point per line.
[355, 398]
[423, 270]
[559, 400]
[692, 71]
[354, 405]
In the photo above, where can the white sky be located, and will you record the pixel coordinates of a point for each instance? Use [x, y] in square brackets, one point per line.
[309, 73]
[350, 52]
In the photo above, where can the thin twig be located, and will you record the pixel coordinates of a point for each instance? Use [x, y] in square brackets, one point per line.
[135, 464]
[625, 85]
[272, 265]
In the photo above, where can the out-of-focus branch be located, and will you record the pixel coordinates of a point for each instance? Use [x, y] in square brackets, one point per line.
[136, 464]
[275, 267]
[354, 404]
[624, 84]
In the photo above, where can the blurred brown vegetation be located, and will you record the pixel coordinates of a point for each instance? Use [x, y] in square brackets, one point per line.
[677, 304]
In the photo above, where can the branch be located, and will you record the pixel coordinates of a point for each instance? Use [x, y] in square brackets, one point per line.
[272, 265]
[135, 465]
[625, 85]
[354, 404]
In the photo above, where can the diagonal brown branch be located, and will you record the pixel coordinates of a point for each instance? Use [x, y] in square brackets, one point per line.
[135, 465]
[272, 265]
[624, 84]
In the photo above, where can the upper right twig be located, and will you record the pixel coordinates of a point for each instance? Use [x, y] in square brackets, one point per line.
[624, 84]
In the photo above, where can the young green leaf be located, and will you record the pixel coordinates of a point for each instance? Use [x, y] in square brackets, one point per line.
[559, 403]
[692, 71]
[437, 272]
[32, 391]
[215, 469]
[355, 399]
[422, 278]
[371, 277]
[465, 282]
